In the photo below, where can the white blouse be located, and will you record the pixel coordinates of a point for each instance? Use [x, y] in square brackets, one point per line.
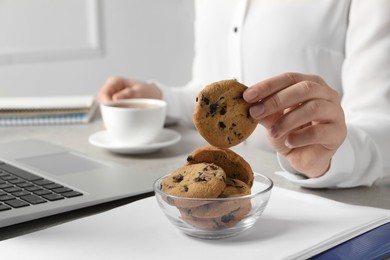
[346, 42]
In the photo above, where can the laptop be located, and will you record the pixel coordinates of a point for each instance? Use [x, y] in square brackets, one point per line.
[39, 179]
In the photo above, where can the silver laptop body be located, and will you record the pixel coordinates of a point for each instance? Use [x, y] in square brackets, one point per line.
[91, 181]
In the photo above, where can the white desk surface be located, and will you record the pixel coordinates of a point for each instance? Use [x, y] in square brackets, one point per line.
[167, 159]
[293, 226]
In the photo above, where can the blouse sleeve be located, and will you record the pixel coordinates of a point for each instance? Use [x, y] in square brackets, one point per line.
[181, 101]
[365, 153]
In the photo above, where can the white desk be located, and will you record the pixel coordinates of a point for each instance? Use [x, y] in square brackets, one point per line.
[76, 137]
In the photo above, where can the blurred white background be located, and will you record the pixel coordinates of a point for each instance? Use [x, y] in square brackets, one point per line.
[67, 47]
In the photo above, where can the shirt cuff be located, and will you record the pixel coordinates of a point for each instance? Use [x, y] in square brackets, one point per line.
[337, 176]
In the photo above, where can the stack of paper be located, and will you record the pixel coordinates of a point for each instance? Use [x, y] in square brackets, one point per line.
[293, 226]
[46, 110]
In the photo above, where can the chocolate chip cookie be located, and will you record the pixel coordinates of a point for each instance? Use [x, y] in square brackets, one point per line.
[216, 223]
[235, 188]
[232, 163]
[201, 180]
[214, 209]
[221, 115]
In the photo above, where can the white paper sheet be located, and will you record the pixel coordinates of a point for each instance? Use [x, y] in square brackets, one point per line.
[293, 226]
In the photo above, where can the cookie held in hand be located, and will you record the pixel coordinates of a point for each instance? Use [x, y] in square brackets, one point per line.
[221, 115]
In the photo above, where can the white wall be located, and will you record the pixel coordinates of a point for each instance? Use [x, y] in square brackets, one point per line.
[64, 47]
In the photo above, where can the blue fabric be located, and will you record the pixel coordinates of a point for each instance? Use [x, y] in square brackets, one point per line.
[372, 245]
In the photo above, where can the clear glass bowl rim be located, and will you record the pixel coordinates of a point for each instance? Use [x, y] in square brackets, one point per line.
[157, 190]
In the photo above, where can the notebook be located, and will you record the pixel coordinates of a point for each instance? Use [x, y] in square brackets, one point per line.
[46, 110]
[39, 179]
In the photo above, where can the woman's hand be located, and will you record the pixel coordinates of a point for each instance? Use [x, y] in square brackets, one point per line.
[121, 88]
[303, 117]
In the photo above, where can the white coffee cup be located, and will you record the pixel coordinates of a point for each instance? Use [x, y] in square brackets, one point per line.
[133, 121]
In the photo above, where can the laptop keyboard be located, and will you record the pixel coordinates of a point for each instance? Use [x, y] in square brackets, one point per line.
[19, 188]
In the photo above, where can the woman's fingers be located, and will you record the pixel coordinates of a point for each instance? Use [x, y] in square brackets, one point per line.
[312, 111]
[304, 119]
[112, 86]
[123, 94]
[275, 84]
[324, 134]
[294, 95]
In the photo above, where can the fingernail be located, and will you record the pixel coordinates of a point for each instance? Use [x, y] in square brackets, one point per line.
[257, 110]
[250, 95]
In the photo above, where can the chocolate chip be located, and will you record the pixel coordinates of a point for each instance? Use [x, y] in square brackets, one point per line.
[190, 158]
[213, 108]
[233, 125]
[185, 188]
[213, 167]
[235, 184]
[229, 140]
[205, 99]
[239, 135]
[178, 178]
[227, 218]
[223, 111]
[222, 125]
[200, 179]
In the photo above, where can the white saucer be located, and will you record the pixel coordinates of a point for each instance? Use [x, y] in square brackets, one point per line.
[166, 138]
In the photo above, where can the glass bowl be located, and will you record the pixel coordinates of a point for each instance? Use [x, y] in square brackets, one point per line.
[214, 218]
